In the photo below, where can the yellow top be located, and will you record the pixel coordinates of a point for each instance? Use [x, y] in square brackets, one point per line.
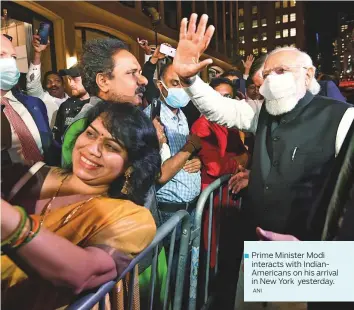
[119, 224]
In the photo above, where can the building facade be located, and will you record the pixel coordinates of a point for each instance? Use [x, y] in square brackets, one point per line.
[75, 22]
[343, 50]
[265, 25]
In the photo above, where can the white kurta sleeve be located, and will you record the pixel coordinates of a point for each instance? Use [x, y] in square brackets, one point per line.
[34, 84]
[224, 111]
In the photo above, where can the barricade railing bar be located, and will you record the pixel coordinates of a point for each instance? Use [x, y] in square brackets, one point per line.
[91, 298]
[206, 196]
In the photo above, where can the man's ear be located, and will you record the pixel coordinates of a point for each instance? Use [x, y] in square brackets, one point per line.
[159, 85]
[102, 82]
[309, 75]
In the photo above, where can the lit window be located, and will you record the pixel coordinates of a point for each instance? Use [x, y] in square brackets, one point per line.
[277, 4]
[242, 52]
[293, 17]
[264, 50]
[240, 12]
[293, 32]
[293, 3]
[277, 35]
[277, 19]
[285, 18]
[254, 23]
[255, 51]
[254, 9]
[242, 40]
[285, 4]
[264, 22]
[255, 38]
[264, 36]
[285, 33]
[241, 26]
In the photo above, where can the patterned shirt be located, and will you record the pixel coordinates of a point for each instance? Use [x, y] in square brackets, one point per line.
[183, 187]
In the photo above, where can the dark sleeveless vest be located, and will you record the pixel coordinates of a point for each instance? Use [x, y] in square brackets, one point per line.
[291, 160]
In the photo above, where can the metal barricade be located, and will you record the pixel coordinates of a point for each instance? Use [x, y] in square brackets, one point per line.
[207, 194]
[98, 296]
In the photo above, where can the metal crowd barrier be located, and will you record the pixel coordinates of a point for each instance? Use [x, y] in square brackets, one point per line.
[98, 296]
[207, 194]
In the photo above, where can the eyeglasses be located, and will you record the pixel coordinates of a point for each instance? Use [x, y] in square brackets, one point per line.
[227, 96]
[281, 70]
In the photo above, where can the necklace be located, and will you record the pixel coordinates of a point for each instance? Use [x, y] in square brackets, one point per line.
[47, 207]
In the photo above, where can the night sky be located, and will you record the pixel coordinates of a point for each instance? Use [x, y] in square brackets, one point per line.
[321, 18]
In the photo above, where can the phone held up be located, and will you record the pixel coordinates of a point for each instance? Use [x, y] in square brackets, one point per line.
[169, 51]
[43, 32]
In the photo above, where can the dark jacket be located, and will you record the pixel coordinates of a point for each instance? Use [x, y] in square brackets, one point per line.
[65, 115]
[292, 158]
[38, 111]
[329, 89]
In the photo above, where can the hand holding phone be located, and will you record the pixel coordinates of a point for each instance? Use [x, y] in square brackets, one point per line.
[167, 50]
[43, 32]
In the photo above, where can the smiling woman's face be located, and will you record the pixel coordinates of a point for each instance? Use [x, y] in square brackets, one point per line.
[98, 159]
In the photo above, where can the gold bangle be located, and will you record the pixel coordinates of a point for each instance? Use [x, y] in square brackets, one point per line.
[16, 234]
[35, 228]
[24, 234]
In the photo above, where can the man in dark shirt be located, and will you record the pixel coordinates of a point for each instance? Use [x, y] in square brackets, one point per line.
[71, 107]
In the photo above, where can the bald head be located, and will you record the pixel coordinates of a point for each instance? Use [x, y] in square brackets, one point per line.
[6, 49]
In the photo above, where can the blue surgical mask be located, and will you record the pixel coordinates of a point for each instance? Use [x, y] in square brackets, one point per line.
[177, 98]
[9, 73]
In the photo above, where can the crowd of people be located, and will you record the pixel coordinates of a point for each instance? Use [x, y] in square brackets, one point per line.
[282, 135]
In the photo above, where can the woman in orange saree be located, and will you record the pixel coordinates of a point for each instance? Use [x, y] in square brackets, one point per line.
[79, 228]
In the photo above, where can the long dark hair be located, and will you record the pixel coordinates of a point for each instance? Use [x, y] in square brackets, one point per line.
[131, 126]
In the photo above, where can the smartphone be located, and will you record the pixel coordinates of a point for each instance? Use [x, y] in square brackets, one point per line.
[155, 109]
[43, 32]
[169, 51]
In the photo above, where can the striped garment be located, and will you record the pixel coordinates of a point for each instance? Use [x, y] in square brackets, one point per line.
[183, 187]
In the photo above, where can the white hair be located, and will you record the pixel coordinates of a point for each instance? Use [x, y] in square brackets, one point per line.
[306, 61]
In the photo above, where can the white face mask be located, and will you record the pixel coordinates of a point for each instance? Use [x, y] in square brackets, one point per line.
[9, 73]
[282, 92]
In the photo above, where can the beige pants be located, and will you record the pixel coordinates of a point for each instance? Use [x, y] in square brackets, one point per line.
[241, 305]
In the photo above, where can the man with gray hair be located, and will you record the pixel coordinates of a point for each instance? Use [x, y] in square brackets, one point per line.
[298, 134]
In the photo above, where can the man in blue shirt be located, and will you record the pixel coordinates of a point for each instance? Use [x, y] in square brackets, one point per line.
[180, 183]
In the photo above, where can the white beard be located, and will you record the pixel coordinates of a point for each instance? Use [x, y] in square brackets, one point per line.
[288, 90]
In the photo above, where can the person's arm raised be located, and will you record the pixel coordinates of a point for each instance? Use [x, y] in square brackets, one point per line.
[224, 111]
[192, 44]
